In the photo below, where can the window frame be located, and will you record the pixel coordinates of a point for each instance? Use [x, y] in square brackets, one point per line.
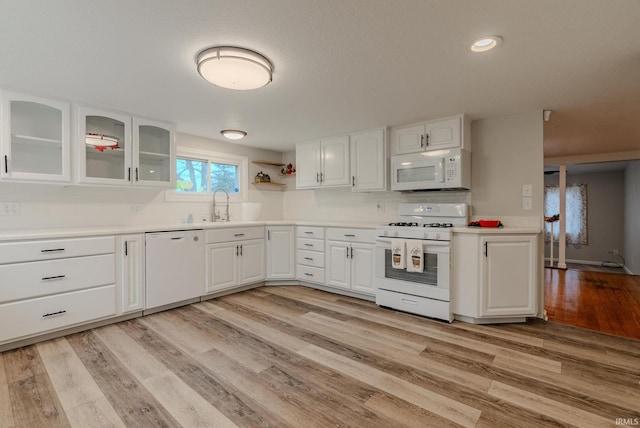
[210, 157]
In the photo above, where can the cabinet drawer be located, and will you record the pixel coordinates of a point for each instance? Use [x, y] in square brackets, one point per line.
[27, 251]
[352, 235]
[310, 258]
[310, 244]
[27, 280]
[310, 232]
[310, 274]
[43, 314]
[234, 234]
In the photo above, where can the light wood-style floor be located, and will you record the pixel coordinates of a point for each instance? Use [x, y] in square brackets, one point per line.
[297, 357]
[606, 302]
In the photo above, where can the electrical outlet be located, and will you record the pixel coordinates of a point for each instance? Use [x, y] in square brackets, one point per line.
[9, 208]
[527, 203]
[136, 208]
[614, 252]
[527, 190]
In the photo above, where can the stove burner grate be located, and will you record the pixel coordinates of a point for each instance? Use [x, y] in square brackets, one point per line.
[438, 225]
[404, 224]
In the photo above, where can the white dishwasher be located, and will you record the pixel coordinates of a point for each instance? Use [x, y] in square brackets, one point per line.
[174, 267]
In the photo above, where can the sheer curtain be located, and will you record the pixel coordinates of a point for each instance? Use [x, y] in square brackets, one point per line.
[576, 212]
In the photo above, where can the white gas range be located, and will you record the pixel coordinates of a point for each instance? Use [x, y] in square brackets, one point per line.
[413, 259]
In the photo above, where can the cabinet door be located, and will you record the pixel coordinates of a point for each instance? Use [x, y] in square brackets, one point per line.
[251, 264]
[408, 139]
[508, 274]
[335, 162]
[35, 141]
[444, 134]
[222, 266]
[338, 260]
[109, 163]
[154, 160]
[280, 252]
[368, 161]
[362, 267]
[308, 165]
[131, 273]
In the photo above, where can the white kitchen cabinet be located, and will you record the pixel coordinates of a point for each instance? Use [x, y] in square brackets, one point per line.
[280, 252]
[495, 277]
[350, 255]
[35, 142]
[143, 156]
[368, 160]
[310, 255]
[49, 285]
[235, 257]
[131, 273]
[323, 163]
[433, 135]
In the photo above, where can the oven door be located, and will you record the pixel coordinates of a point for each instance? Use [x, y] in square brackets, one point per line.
[432, 283]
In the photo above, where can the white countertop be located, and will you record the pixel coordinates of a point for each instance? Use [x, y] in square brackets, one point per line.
[497, 230]
[66, 232]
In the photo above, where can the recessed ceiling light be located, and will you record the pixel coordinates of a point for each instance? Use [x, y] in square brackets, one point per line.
[234, 68]
[485, 43]
[233, 134]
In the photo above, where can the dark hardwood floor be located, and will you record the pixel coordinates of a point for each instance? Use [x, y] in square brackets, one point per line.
[602, 301]
[297, 357]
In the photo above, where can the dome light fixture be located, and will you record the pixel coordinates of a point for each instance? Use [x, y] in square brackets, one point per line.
[233, 134]
[486, 43]
[234, 68]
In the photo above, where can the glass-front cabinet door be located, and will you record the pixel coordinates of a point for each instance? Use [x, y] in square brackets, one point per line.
[35, 143]
[154, 153]
[104, 147]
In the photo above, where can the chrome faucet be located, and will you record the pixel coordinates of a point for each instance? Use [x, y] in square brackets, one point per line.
[214, 216]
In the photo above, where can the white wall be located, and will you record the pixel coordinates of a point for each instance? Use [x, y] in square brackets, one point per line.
[507, 153]
[53, 206]
[632, 217]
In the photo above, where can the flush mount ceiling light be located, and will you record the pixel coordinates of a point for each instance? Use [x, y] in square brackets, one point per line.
[100, 140]
[485, 43]
[233, 134]
[234, 68]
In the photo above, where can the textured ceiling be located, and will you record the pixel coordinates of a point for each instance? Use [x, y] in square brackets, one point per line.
[340, 65]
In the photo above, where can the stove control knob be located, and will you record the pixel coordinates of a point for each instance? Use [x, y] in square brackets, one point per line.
[385, 233]
[437, 236]
[395, 233]
[426, 235]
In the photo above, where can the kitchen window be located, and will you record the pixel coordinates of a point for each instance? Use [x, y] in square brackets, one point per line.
[199, 173]
[576, 213]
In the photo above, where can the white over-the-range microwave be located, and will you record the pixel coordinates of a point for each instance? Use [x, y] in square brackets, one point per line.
[433, 170]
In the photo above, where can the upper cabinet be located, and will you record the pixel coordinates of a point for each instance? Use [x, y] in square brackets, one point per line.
[323, 163]
[117, 149]
[35, 142]
[433, 135]
[369, 160]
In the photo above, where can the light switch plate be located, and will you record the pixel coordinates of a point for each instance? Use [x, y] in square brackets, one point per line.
[9, 208]
[527, 190]
[527, 203]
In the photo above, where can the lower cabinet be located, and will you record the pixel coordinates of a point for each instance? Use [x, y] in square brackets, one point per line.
[237, 261]
[495, 276]
[281, 263]
[350, 260]
[131, 273]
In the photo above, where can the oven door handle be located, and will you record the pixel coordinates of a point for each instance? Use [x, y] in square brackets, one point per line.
[427, 243]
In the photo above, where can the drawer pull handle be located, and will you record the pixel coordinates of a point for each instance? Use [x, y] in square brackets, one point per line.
[350, 236]
[239, 234]
[49, 278]
[412, 302]
[53, 250]
[308, 233]
[53, 314]
[308, 245]
[308, 274]
[308, 258]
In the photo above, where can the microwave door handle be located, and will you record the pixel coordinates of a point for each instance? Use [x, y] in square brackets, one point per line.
[442, 169]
